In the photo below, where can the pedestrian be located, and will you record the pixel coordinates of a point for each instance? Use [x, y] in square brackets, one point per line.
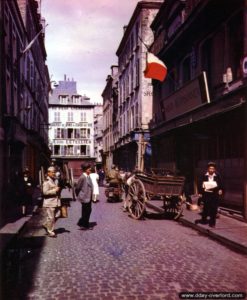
[113, 176]
[95, 179]
[24, 191]
[52, 202]
[210, 189]
[84, 192]
[101, 177]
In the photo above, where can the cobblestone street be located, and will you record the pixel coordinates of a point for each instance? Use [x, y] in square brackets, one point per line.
[121, 259]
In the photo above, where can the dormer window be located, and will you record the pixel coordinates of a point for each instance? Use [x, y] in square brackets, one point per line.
[63, 99]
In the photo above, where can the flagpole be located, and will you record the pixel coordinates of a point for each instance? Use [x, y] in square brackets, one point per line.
[33, 40]
[143, 43]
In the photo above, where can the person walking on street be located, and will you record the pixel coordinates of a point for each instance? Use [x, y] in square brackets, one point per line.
[95, 179]
[101, 177]
[25, 186]
[52, 202]
[84, 192]
[210, 189]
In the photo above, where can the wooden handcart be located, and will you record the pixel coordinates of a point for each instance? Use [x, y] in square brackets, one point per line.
[166, 187]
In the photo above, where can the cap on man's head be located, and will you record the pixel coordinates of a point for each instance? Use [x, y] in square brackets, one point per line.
[51, 169]
[211, 164]
[113, 166]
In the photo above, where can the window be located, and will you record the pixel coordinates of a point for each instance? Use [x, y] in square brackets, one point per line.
[83, 150]
[83, 133]
[58, 133]
[70, 116]
[83, 116]
[56, 116]
[236, 45]
[206, 62]
[186, 70]
[137, 72]
[56, 150]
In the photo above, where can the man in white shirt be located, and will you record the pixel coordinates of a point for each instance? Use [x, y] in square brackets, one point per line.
[210, 189]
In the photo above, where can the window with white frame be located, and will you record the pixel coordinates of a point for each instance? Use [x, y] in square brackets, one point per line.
[57, 116]
[83, 133]
[83, 116]
[58, 133]
[70, 116]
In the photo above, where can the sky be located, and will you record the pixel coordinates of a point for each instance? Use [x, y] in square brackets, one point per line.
[82, 39]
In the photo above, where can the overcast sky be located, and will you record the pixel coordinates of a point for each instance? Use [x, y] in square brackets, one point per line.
[82, 39]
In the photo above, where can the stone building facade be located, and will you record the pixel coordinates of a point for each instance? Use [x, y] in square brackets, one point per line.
[200, 109]
[134, 91]
[24, 93]
[98, 134]
[110, 109]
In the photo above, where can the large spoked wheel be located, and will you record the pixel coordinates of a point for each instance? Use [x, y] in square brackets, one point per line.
[137, 198]
[173, 206]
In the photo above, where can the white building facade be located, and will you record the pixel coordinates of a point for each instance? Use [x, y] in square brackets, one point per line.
[71, 119]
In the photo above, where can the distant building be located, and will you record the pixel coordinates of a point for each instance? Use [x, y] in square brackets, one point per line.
[71, 120]
[109, 113]
[98, 134]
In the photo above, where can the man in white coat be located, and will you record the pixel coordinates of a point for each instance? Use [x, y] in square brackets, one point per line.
[52, 202]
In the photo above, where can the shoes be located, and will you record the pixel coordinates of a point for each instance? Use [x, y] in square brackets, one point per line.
[200, 221]
[52, 234]
[211, 225]
[45, 228]
[85, 228]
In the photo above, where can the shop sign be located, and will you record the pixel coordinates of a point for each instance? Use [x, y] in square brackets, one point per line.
[186, 99]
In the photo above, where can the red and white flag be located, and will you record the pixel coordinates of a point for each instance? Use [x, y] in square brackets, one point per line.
[155, 68]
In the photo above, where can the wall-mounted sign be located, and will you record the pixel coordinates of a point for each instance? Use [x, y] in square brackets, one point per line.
[189, 97]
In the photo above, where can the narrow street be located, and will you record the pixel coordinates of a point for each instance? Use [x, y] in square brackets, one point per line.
[120, 259]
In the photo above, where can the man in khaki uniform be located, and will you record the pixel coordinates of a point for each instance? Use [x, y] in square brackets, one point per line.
[52, 200]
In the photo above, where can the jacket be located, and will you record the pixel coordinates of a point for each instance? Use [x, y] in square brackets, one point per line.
[51, 197]
[215, 190]
[84, 189]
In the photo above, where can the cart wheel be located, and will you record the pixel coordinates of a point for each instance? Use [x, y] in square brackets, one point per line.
[137, 198]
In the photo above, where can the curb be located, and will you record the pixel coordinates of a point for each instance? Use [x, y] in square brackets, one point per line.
[209, 232]
[224, 240]
[9, 236]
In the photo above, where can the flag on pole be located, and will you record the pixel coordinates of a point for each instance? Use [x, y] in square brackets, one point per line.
[155, 68]
[32, 41]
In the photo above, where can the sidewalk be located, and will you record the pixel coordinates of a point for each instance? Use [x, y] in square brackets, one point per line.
[13, 222]
[228, 231]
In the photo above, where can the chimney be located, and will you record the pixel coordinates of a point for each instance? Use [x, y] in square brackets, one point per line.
[64, 77]
[124, 28]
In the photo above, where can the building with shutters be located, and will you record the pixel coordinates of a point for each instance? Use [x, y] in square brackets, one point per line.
[71, 123]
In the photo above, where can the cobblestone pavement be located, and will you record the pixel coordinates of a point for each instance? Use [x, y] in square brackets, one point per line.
[121, 258]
